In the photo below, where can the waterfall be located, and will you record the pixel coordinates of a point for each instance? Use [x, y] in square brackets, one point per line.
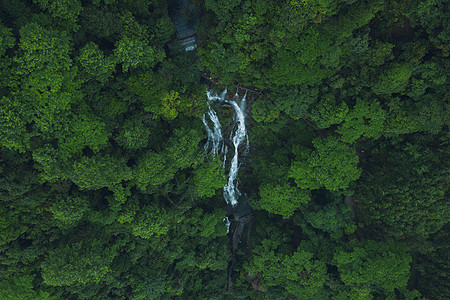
[215, 135]
[231, 192]
[215, 140]
[227, 223]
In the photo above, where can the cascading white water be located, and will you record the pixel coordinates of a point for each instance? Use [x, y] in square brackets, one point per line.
[215, 135]
[215, 138]
[225, 152]
[231, 190]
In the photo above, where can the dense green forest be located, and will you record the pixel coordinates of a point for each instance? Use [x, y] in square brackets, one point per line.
[106, 191]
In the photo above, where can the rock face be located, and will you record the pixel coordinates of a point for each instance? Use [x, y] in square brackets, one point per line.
[184, 24]
[241, 209]
[240, 217]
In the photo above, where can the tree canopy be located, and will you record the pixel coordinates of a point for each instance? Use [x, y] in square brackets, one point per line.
[107, 190]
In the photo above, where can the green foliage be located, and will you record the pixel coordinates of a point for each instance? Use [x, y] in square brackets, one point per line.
[380, 53]
[7, 39]
[149, 288]
[295, 102]
[398, 120]
[298, 63]
[364, 119]
[45, 83]
[152, 89]
[332, 165]
[50, 165]
[152, 169]
[331, 218]
[21, 287]
[134, 133]
[293, 17]
[105, 188]
[264, 111]
[10, 225]
[13, 133]
[99, 171]
[433, 15]
[84, 131]
[211, 225]
[229, 62]
[150, 221]
[164, 30]
[101, 23]
[434, 267]
[431, 115]
[222, 8]
[183, 148]
[328, 112]
[326, 7]
[306, 277]
[94, 62]
[409, 197]
[282, 198]
[70, 209]
[393, 79]
[40, 50]
[374, 264]
[65, 11]
[134, 53]
[209, 177]
[356, 16]
[298, 273]
[78, 263]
